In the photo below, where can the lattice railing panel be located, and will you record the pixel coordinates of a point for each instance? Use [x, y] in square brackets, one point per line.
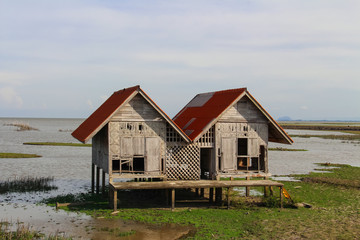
[183, 162]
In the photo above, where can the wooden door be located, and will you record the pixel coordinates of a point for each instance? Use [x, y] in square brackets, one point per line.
[126, 147]
[153, 158]
[228, 146]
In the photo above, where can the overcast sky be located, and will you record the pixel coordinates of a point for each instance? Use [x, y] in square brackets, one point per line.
[64, 58]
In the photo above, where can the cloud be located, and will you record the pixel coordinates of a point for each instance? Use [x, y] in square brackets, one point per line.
[9, 98]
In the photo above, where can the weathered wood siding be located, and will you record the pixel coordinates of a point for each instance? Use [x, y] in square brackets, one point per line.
[100, 149]
[242, 120]
[138, 130]
[138, 109]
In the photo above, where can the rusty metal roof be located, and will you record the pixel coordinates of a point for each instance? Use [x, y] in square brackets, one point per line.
[103, 114]
[203, 110]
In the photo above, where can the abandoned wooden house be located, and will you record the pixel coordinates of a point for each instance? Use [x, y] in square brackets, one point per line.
[218, 134]
[232, 131]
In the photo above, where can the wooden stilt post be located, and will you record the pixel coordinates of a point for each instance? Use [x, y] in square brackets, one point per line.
[97, 179]
[92, 177]
[111, 197]
[228, 197]
[172, 199]
[115, 200]
[202, 192]
[211, 195]
[103, 183]
[218, 196]
[247, 188]
[197, 192]
[281, 197]
[266, 189]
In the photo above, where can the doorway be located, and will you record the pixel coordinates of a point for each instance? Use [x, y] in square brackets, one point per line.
[205, 163]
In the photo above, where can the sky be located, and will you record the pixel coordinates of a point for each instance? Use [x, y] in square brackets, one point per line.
[64, 58]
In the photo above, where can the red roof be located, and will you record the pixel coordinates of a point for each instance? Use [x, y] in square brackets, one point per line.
[99, 118]
[203, 109]
[104, 113]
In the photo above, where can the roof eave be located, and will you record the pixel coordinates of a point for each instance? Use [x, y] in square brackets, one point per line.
[165, 116]
[286, 138]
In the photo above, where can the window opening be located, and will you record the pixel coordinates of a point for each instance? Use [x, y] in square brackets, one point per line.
[242, 146]
[172, 135]
[242, 163]
[138, 165]
[115, 165]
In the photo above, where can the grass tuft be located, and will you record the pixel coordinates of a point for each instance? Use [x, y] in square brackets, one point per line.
[18, 155]
[57, 144]
[27, 184]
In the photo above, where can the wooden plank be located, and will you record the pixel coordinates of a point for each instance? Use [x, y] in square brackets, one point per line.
[97, 179]
[103, 183]
[194, 184]
[126, 148]
[281, 197]
[172, 199]
[115, 200]
[92, 178]
[228, 197]
[228, 153]
[153, 159]
[211, 195]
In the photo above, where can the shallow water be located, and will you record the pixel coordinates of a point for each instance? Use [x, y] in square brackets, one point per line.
[71, 166]
[319, 151]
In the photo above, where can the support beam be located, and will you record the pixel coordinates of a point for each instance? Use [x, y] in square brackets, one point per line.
[97, 179]
[247, 188]
[103, 182]
[115, 200]
[228, 198]
[281, 197]
[202, 192]
[92, 177]
[197, 192]
[266, 189]
[172, 199]
[218, 196]
[211, 195]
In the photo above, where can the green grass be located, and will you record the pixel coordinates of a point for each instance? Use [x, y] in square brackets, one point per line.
[354, 137]
[27, 184]
[18, 155]
[57, 144]
[23, 232]
[287, 149]
[335, 212]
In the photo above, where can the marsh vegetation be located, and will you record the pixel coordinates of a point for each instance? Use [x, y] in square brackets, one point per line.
[334, 195]
[57, 144]
[18, 155]
[27, 184]
[21, 126]
[23, 232]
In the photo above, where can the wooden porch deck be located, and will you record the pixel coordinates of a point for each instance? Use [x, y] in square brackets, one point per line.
[172, 185]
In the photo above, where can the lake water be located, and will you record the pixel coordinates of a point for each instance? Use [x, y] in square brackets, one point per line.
[71, 166]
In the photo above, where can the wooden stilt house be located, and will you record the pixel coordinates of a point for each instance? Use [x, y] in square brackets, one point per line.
[133, 138]
[232, 131]
[217, 134]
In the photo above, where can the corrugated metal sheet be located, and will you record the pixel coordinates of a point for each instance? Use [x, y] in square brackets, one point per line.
[203, 109]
